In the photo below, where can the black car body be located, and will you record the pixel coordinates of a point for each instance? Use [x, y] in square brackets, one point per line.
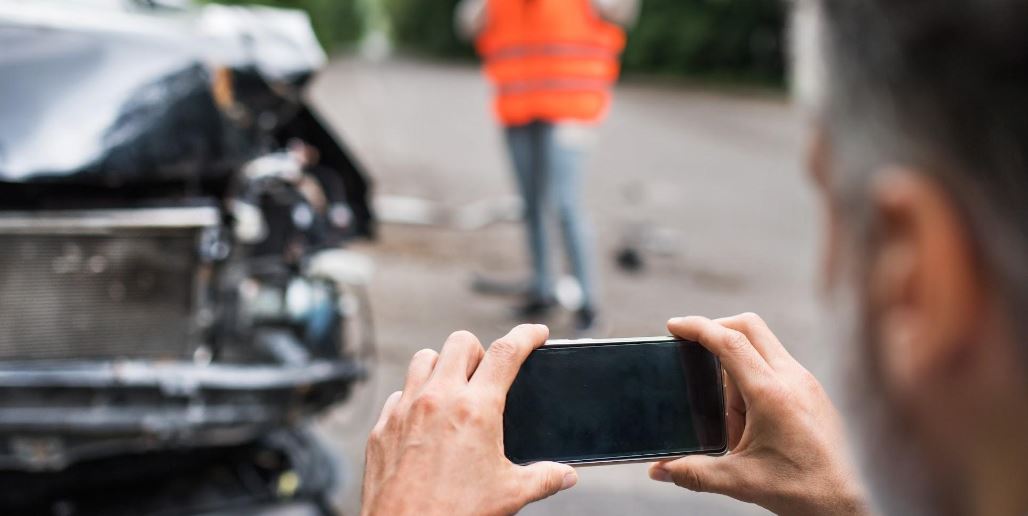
[175, 298]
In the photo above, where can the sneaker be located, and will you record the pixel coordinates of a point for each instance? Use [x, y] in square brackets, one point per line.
[535, 309]
[585, 320]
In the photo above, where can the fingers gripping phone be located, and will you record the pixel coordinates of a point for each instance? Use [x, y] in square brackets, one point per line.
[615, 400]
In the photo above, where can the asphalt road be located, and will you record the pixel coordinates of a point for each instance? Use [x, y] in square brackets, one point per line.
[716, 177]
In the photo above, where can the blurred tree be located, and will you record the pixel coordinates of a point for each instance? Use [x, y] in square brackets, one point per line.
[724, 39]
[335, 21]
[426, 27]
[732, 40]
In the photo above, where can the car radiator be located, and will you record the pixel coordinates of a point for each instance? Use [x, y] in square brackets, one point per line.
[101, 284]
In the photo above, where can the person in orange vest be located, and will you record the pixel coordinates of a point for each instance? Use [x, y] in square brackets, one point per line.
[553, 65]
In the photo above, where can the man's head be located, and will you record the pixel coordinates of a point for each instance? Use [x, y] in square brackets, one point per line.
[921, 151]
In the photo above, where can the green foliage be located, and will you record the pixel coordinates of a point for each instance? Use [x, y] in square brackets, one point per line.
[426, 27]
[335, 21]
[734, 40]
[728, 39]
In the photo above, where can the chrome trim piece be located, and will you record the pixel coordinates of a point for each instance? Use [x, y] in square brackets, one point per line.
[149, 419]
[641, 458]
[108, 220]
[621, 340]
[175, 377]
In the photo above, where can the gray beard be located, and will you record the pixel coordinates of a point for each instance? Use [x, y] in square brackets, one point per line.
[896, 472]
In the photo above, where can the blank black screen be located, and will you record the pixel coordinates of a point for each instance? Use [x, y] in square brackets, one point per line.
[615, 401]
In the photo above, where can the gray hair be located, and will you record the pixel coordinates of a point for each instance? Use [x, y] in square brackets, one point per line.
[940, 86]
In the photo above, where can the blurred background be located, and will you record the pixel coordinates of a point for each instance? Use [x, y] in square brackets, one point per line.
[696, 168]
[693, 185]
[716, 40]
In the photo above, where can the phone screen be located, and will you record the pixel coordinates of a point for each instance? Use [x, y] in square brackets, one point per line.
[598, 402]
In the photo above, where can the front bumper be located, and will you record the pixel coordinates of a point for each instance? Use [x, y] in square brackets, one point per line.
[54, 414]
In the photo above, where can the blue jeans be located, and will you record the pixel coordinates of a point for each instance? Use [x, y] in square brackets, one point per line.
[548, 172]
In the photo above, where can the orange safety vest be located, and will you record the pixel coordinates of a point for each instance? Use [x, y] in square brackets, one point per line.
[549, 60]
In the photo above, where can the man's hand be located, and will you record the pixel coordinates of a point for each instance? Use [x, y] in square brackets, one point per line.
[788, 449]
[438, 446]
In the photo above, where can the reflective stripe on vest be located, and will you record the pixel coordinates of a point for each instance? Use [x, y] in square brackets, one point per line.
[551, 50]
[521, 87]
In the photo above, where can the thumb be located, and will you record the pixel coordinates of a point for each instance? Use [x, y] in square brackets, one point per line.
[700, 473]
[544, 479]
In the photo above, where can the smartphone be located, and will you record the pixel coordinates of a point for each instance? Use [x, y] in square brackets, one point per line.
[615, 400]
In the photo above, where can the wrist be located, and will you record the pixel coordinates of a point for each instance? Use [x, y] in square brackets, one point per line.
[845, 500]
[855, 503]
[398, 504]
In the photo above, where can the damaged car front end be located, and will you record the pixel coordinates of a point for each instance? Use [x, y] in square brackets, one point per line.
[176, 298]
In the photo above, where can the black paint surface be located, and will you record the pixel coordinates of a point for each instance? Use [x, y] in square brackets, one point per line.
[615, 401]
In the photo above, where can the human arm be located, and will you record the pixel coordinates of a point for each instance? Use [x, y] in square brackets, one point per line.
[788, 451]
[622, 12]
[469, 18]
[438, 446]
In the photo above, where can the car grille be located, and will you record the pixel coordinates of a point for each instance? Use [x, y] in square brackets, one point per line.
[74, 292]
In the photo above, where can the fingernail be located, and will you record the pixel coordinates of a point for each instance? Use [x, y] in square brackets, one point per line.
[660, 474]
[676, 320]
[570, 479]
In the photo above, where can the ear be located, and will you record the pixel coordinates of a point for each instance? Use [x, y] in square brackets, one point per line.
[926, 289]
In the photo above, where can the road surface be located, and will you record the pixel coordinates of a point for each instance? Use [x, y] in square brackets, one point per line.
[717, 177]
